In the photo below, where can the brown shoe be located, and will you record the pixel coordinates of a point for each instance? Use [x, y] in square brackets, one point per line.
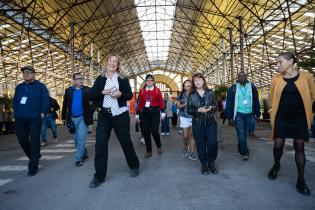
[160, 151]
[148, 155]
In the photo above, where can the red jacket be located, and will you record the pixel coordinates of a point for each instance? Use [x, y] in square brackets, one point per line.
[154, 96]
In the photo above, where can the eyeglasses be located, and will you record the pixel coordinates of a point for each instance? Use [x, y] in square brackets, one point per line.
[78, 78]
[27, 72]
[188, 85]
[149, 80]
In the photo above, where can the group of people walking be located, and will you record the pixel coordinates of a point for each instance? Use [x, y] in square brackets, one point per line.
[292, 94]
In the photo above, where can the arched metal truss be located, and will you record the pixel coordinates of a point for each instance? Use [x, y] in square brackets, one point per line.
[217, 38]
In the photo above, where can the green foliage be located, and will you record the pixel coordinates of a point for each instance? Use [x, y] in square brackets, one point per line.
[7, 102]
[307, 63]
[220, 91]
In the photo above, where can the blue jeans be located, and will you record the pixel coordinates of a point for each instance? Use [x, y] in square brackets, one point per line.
[81, 130]
[48, 120]
[242, 122]
[206, 141]
[166, 125]
[252, 125]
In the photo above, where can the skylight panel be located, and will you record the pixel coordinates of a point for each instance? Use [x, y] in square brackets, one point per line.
[156, 21]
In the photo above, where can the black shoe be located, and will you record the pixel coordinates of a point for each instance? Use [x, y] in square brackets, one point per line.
[273, 173]
[212, 168]
[245, 157]
[204, 170]
[134, 172]
[95, 183]
[78, 163]
[84, 157]
[32, 172]
[148, 155]
[302, 187]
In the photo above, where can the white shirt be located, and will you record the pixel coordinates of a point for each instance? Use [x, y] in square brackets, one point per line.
[110, 102]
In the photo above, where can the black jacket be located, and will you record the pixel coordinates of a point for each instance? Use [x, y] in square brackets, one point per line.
[53, 104]
[87, 105]
[95, 93]
[193, 104]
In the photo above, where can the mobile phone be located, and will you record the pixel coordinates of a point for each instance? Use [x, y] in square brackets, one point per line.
[112, 90]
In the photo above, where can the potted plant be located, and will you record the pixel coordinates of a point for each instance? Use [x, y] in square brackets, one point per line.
[220, 91]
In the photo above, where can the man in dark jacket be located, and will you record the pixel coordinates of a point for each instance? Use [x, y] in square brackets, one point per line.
[50, 120]
[30, 105]
[77, 108]
[241, 105]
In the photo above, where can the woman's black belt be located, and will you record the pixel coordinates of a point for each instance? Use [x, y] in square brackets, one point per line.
[107, 110]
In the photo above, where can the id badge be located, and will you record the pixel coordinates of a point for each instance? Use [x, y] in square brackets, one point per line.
[23, 100]
[245, 102]
[147, 104]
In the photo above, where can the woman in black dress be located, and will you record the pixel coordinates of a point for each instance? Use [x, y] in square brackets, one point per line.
[292, 93]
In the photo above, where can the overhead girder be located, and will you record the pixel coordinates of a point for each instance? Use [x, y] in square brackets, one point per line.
[195, 38]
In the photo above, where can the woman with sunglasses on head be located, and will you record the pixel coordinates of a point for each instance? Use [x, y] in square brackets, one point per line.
[111, 91]
[202, 106]
[150, 105]
[292, 93]
[185, 120]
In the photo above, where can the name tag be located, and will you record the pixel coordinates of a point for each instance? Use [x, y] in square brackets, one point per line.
[23, 100]
[245, 102]
[147, 104]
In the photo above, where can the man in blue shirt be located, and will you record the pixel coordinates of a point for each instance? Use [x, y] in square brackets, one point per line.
[242, 105]
[78, 109]
[30, 103]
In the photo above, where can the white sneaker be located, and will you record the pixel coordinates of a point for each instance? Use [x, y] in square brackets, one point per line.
[44, 144]
[184, 152]
[162, 134]
[142, 140]
[193, 156]
[168, 134]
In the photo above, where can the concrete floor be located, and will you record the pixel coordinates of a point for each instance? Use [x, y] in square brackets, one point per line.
[168, 181]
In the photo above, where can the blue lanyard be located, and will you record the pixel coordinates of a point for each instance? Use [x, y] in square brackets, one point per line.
[243, 92]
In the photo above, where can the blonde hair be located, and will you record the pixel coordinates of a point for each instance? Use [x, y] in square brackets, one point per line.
[120, 68]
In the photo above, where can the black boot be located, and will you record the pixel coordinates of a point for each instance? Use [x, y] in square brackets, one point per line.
[273, 173]
[302, 187]
[212, 168]
[205, 170]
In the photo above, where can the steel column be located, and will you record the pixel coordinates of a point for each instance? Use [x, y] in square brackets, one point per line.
[241, 42]
[91, 65]
[72, 48]
[83, 57]
[231, 54]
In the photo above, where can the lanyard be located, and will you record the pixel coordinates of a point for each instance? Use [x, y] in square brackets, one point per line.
[243, 92]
